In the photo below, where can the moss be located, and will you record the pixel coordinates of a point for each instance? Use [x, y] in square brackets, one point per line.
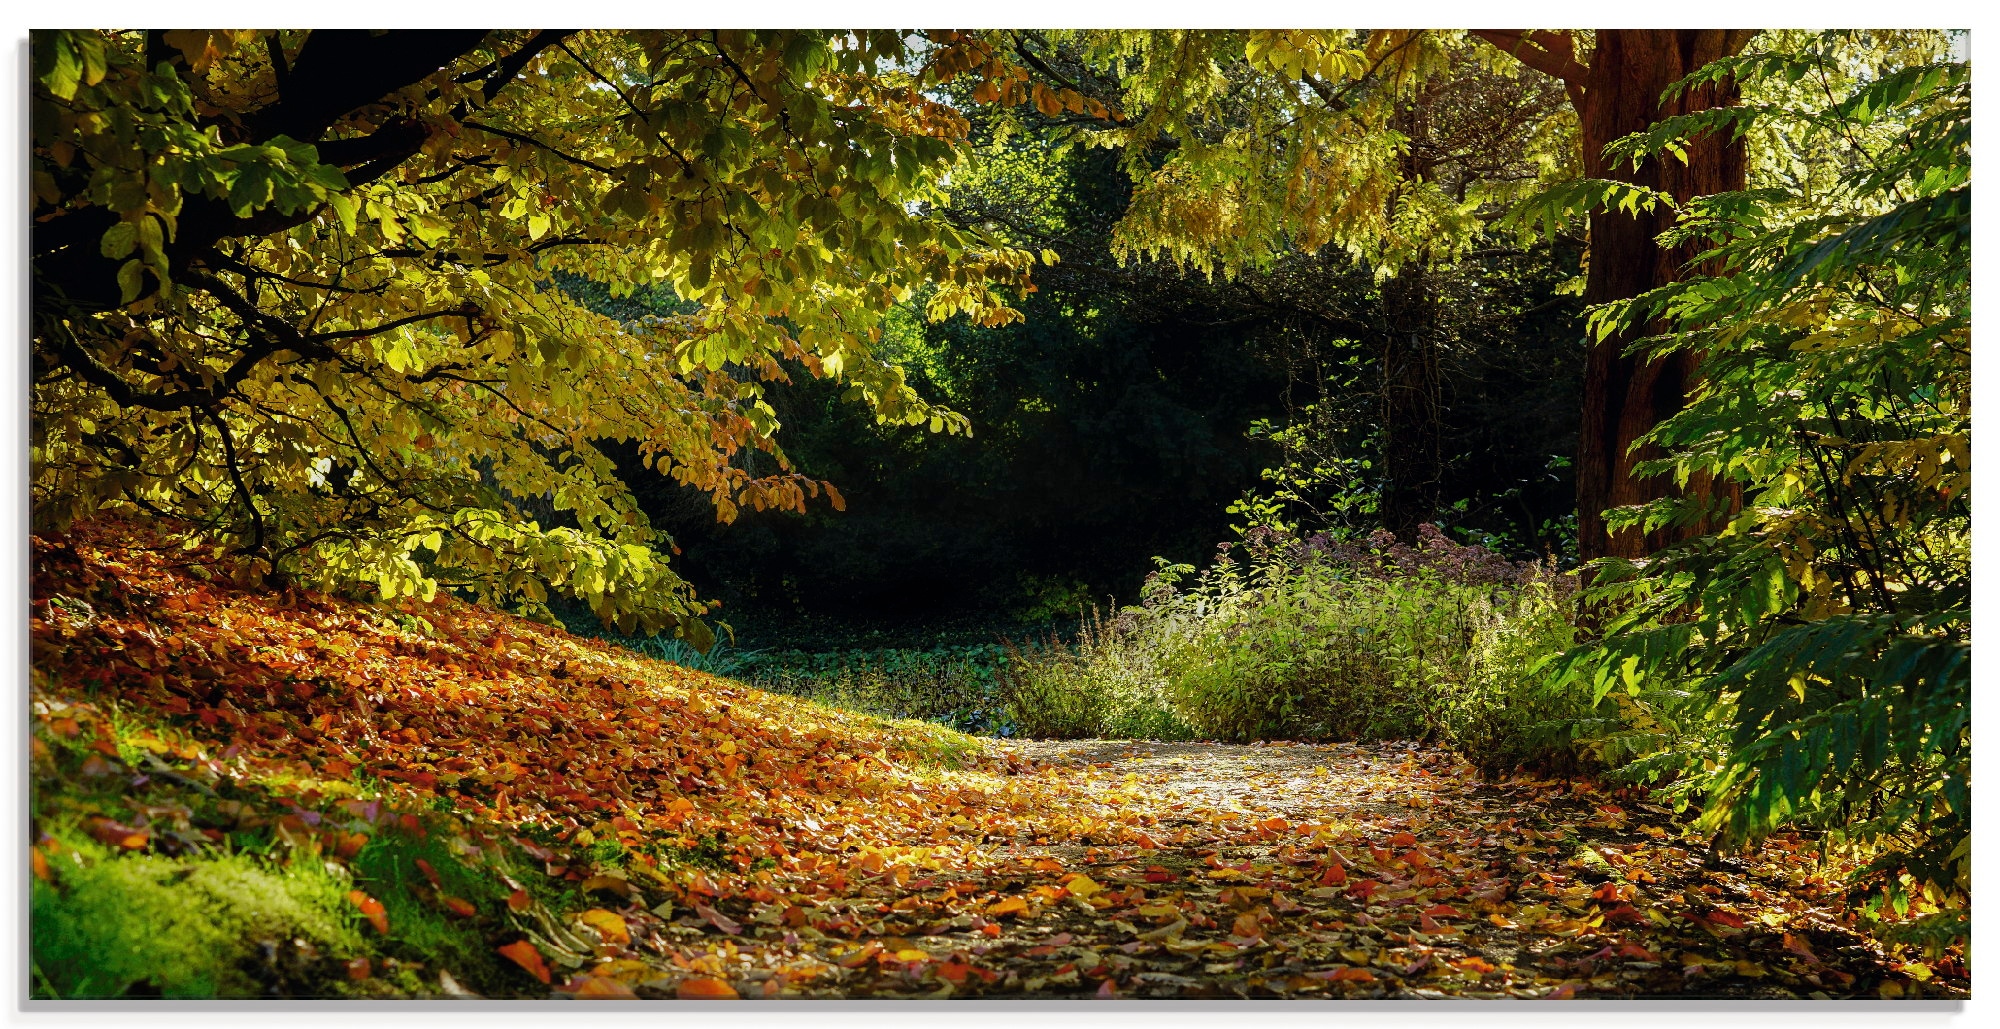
[208, 926]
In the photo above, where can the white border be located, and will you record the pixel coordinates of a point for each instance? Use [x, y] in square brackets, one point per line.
[1064, 13]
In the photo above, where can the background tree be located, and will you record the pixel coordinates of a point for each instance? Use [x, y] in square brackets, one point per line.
[1809, 662]
[1112, 422]
[1310, 139]
[1620, 87]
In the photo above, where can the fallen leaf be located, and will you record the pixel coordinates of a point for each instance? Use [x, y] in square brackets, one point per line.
[371, 909]
[1010, 906]
[116, 834]
[705, 989]
[603, 988]
[611, 926]
[718, 919]
[523, 953]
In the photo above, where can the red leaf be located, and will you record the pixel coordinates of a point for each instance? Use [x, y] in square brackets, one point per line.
[114, 834]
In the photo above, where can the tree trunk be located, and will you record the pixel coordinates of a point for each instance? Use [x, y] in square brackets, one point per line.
[1412, 451]
[1625, 396]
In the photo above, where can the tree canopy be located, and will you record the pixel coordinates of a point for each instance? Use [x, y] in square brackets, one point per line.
[298, 287]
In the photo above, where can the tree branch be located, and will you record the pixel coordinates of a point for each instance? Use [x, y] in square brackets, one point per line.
[1551, 53]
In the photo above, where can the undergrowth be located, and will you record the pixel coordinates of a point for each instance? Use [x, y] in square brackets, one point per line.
[1319, 639]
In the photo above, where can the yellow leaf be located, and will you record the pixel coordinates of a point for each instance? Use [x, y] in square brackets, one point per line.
[608, 925]
[1010, 906]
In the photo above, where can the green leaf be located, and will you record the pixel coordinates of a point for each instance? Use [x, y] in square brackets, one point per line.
[119, 240]
[131, 279]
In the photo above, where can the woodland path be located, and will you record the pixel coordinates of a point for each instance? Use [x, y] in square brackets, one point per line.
[1392, 871]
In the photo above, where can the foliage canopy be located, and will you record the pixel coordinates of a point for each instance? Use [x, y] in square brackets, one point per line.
[297, 287]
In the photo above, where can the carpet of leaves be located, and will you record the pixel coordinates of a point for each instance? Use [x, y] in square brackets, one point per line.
[729, 843]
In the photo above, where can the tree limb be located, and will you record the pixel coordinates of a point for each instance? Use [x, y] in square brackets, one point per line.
[1551, 53]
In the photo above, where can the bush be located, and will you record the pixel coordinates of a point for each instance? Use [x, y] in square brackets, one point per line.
[1109, 685]
[1319, 639]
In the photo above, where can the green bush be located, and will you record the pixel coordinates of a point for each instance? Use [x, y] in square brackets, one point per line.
[1318, 640]
[1109, 685]
[1809, 666]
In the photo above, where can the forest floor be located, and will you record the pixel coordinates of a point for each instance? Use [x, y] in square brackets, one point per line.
[503, 809]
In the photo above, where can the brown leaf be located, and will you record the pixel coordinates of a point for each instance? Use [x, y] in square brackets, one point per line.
[718, 919]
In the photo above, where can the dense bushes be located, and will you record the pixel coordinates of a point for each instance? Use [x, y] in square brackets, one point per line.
[1316, 639]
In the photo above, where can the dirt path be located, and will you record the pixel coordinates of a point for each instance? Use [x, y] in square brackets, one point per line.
[1383, 871]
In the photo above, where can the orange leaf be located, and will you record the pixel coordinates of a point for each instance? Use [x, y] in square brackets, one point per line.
[604, 988]
[705, 989]
[39, 863]
[459, 907]
[1335, 875]
[1010, 906]
[523, 953]
[518, 901]
[359, 969]
[1357, 975]
[372, 909]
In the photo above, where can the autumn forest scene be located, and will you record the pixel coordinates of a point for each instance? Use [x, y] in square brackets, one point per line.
[1143, 515]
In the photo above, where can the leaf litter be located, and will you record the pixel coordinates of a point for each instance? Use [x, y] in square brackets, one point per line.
[725, 843]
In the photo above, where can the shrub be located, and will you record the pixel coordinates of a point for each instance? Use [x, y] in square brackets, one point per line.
[1109, 684]
[1321, 639]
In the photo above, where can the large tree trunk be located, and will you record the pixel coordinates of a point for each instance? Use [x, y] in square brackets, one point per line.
[1625, 396]
[1618, 93]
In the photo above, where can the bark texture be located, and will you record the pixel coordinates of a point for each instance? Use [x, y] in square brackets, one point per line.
[1616, 92]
